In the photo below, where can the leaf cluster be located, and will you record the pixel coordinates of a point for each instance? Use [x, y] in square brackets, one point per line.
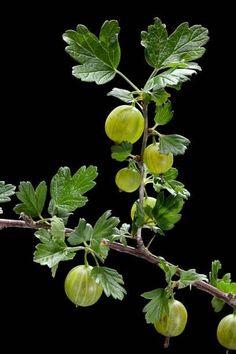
[224, 284]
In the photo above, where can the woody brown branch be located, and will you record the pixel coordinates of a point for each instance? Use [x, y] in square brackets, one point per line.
[140, 252]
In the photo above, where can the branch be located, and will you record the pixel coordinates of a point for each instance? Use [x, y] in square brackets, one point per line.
[143, 253]
[140, 252]
[27, 224]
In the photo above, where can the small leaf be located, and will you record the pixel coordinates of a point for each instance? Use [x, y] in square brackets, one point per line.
[57, 229]
[32, 200]
[166, 211]
[122, 233]
[43, 235]
[98, 57]
[170, 270]
[213, 276]
[51, 254]
[67, 191]
[163, 114]
[52, 248]
[122, 151]
[217, 304]
[82, 233]
[171, 174]
[157, 307]
[6, 190]
[176, 144]
[177, 188]
[227, 287]
[100, 249]
[188, 277]
[110, 280]
[121, 94]
[170, 78]
[224, 284]
[160, 96]
[105, 226]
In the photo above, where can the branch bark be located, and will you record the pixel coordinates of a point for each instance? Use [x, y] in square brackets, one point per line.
[144, 253]
[140, 252]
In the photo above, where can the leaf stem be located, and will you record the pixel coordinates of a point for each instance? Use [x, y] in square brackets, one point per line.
[128, 80]
[152, 74]
[85, 257]
[142, 169]
[75, 249]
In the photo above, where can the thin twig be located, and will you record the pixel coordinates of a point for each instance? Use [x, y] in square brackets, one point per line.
[142, 170]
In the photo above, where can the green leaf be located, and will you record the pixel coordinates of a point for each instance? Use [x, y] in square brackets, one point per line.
[82, 233]
[171, 174]
[167, 211]
[213, 276]
[176, 144]
[160, 96]
[217, 304]
[52, 248]
[121, 94]
[224, 284]
[122, 233]
[110, 280]
[157, 307]
[57, 229]
[171, 78]
[122, 151]
[170, 270]
[163, 114]
[32, 200]
[67, 191]
[176, 188]
[154, 40]
[183, 45]
[6, 190]
[100, 248]
[98, 58]
[139, 217]
[167, 181]
[105, 226]
[188, 277]
[227, 287]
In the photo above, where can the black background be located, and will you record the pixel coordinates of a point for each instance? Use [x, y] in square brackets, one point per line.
[49, 119]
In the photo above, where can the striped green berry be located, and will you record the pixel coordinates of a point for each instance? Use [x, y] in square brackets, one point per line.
[81, 288]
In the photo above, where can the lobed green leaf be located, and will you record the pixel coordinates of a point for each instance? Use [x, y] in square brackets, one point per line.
[98, 58]
[121, 94]
[157, 307]
[183, 45]
[6, 191]
[166, 211]
[120, 152]
[32, 201]
[110, 280]
[163, 113]
[188, 277]
[67, 191]
[175, 144]
[82, 233]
